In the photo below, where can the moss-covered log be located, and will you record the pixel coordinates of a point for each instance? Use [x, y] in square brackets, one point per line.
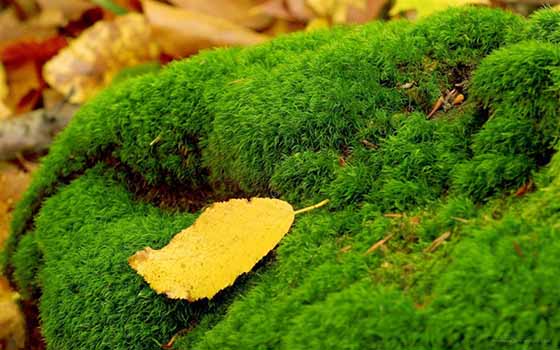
[340, 114]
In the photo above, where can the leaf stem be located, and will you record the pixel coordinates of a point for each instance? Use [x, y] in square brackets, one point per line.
[318, 205]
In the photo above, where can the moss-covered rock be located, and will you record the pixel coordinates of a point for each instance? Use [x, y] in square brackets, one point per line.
[339, 114]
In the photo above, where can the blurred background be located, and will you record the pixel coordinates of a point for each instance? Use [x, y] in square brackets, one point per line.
[57, 54]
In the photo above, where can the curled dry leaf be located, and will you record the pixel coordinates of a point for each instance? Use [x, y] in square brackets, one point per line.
[236, 11]
[182, 32]
[227, 240]
[91, 61]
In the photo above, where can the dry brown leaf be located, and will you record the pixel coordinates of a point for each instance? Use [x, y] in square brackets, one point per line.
[373, 9]
[226, 240]
[335, 10]
[182, 32]
[91, 61]
[236, 11]
[287, 10]
[24, 82]
[273, 8]
[300, 10]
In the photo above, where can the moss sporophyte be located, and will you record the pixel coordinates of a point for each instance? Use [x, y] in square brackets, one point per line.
[463, 263]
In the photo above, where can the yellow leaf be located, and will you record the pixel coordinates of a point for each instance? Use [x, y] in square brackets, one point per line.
[426, 7]
[91, 61]
[317, 23]
[227, 240]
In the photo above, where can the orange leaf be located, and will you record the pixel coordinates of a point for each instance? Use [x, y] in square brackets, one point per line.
[24, 82]
[32, 50]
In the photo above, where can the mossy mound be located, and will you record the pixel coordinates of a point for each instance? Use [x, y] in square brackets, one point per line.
[339, 114]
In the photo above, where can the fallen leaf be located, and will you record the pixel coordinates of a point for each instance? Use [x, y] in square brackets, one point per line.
[182, 32]
[14, 30]
[25, 8]
[273, 8]
[12, 324]
[282, 26]
[32, 50]
[373, 9]
[88, 18]
[91, 61]
[317, 23]
[70, 9]
[426, 7]
[52, 98]
[288, 10]
[3, 83]
[337, 11]
[24, 83]
[236, 11]
[226, 240]
[13, 182]
[5, 111]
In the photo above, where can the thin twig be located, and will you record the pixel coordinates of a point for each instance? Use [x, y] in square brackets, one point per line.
[464, 221]
[437, 242]
[378, 244]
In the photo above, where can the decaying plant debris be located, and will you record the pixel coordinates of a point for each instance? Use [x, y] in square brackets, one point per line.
[339, 114]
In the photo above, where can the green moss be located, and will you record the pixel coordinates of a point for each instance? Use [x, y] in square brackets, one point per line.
[542, 26]
[27, 262]
[304, 175]
[338, 114]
